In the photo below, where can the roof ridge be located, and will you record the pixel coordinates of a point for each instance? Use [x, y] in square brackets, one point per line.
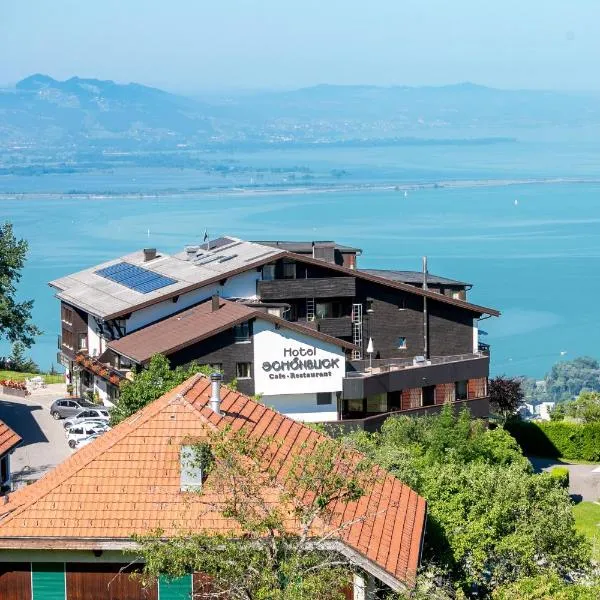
[101, 446]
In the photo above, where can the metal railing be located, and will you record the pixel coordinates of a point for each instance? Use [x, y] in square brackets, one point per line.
[385, 365]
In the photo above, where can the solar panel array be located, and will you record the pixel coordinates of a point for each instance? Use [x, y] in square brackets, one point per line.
[135, 278]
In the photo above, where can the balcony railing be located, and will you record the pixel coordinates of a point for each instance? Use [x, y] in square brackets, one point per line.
[327, 287]
[386, 365]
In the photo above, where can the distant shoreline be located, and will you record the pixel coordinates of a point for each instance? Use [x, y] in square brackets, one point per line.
[289, 190]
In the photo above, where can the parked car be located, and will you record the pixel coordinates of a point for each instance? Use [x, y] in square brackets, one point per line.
[80, 432]
[68, 407]
[89, 414]
[87, 440]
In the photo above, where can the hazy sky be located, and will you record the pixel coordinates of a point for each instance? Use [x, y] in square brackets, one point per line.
[193, 45]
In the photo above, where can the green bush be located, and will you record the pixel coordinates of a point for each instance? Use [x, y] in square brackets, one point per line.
[561, 475]
[558, 439]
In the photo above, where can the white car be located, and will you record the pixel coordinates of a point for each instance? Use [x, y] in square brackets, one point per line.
[87, 440]
[89, 414]
[80, 432]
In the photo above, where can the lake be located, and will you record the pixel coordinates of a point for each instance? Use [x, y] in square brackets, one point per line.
[530, 250]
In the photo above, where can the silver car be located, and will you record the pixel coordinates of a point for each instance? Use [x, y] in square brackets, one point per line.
[68, 407]
[89, 414]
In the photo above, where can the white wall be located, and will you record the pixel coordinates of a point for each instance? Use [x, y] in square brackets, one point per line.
[95, 343]
[100, 387]
[238, 286]
[302, 407]
[290, 363]
[475, 336]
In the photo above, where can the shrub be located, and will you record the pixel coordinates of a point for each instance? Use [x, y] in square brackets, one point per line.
[561, 475]
[558, 439]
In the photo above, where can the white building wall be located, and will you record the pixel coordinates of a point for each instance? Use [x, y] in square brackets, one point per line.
[100, 386]
[96, 345]
[302, 407]
[238, 286]
[276, 348]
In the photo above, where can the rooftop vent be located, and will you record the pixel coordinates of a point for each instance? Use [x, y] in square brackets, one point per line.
[216, 303]
[215, 397]
[149, 254]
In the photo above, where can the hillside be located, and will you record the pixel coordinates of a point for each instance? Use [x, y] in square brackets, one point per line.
[41, 112]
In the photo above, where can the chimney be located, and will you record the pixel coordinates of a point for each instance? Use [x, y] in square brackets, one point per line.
[216, 303]
[425, 286]
[149, 254]
[215, 397]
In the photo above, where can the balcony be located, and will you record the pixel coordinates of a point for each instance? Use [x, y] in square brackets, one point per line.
[330, 287]
[336, 327]
[391, 375]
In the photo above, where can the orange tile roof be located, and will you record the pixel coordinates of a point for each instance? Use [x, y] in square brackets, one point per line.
[8, 438]
[128, 482]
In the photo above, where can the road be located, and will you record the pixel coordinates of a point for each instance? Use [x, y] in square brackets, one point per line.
[44, 445]
[584, 480]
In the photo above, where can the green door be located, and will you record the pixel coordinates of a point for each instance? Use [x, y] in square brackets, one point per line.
[174, 589]
[48, 581]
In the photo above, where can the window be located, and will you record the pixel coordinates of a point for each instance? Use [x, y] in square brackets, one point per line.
[377, 403]
[289, 270]
[268, 272]
[68, 340]
[328, 310]
[66, 315]
[429, 395]
[401, 343]
[324, 398]
[242, 370]
[241, 332]
[191, 469]
[461, 390]
[82, 341]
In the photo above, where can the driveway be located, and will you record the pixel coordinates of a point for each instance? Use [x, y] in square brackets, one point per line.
[584, 480]
[44, 445]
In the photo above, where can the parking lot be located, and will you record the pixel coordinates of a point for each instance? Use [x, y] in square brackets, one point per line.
[44, 444]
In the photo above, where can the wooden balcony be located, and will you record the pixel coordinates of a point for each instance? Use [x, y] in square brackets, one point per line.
[284, 289]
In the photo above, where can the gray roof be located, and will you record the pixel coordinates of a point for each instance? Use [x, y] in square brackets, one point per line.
[413, 277]
[307, 247]
[193, 268]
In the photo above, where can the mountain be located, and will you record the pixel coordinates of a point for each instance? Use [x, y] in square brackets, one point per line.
[78, 114]
[43, 110]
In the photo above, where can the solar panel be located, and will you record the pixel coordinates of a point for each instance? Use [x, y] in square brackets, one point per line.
[135, 278]
[219, 242]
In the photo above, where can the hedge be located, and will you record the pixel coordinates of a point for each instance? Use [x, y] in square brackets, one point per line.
[558, 439]
[561, 475]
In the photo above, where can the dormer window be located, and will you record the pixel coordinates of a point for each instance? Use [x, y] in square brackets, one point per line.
[241, 332]
[191, 469]
[289, 270]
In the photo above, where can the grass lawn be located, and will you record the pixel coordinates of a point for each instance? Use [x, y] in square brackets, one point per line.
[15, 376]
[587, 521]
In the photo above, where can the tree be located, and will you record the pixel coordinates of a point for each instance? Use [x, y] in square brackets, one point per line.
[14, 316]
[567, 378]
[274, 549]
[491, 521]
[506, 396]
[148, 384]
[19, 362]
[546, 586]
[586, 407]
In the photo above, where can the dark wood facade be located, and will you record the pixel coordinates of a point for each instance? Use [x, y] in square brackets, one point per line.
[15, 581]
[74, 330]
[221, 349]
[321, 287]
[91, 581]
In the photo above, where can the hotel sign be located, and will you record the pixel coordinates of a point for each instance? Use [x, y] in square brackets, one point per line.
[290, 363]
[301, 363]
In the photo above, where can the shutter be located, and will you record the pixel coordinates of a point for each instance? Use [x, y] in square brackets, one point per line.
[48, 581]
[175, 589]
